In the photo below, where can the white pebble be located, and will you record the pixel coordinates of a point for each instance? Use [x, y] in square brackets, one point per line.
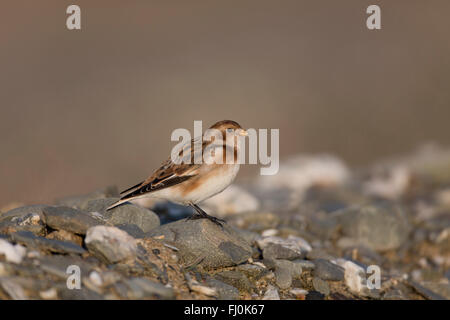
[96, 279]
[354, 275]
[271, 294]
[269, 232]
[49, 294]
[13, 253]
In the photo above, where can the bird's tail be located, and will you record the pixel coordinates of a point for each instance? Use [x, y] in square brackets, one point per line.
[127, 197]
[118, 203]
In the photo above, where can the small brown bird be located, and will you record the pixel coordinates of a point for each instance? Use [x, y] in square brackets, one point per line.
[191, 183]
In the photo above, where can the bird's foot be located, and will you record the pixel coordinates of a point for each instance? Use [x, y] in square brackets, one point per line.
[215, 220]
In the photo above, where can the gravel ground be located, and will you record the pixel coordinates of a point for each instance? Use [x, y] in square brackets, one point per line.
[317, 230]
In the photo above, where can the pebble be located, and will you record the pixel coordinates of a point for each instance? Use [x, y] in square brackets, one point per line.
[133, 230]
[24, 211]
[382, 226]
[429, 290]
[64, 235]
[304, 264]
[235, 279]
[299, 293]
[69, 219]
[50, 294]
[141, 288]
[255, 221]
[224, 290]
[278, 248]
[12, 253]
[317, 253]
[314, 295]
[252, 271]
[327, 270]
[110, 244]
[195, 286]
[278, 251]
[204, 243]
[35, 242]
[125, 214]
[96, 278]
[354, 275]
[28, 218]
[283, 273]
[321, 286]
[271, 293]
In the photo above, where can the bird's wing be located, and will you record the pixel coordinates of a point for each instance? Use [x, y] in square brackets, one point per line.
[170, 173]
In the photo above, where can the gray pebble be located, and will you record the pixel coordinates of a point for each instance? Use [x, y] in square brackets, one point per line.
[125, 214]
[304, 264]
[224, 290]
[30, 240]
[205, 243]
[327, 270]
[69, 219]
[251, 271]
[283, 274]
[277, 251]
[235, 279]
[28, 218]
[321, 286]
[381, 226]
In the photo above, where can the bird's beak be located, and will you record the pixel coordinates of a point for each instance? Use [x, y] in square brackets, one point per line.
[243, 133]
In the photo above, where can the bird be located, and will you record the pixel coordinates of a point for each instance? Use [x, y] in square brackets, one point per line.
[190, 182]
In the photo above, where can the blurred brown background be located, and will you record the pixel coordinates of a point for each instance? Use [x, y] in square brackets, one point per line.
[85, 109]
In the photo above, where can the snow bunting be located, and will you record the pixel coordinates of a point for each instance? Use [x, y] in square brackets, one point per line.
[185, 180]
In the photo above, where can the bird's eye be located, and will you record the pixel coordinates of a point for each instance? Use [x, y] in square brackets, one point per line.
[230, 130]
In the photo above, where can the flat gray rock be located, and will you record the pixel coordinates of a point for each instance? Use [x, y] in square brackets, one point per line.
[277, 251]
[382, 226]
[224, 290]
[28, 218]
[205, 243]
[321, 286]
[69, 219]
[251, 271]
[30, 240]
[235, 279]
[287, 249]
[327, 270]
[429, 290]
[125, 214]
[133, 230]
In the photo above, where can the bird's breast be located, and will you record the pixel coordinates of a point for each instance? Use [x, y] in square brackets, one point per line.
[209, 184]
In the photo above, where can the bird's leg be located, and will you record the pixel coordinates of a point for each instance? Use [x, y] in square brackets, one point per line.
[203, 215]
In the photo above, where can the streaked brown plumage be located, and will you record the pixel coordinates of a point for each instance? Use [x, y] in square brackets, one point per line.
[191, 183]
